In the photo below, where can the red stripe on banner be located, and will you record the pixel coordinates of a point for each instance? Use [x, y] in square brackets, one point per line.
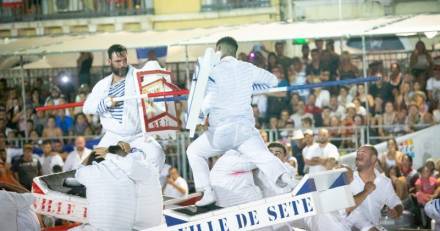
[80, 104]
[153, 72]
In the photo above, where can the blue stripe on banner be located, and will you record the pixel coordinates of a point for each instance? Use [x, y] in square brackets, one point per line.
[142, 53]
[171, 221]
[342, 180]
[307, 187]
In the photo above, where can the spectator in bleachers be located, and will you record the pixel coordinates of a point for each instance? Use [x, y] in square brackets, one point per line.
[307, 122]
[317, 155]
[413, 119]
[49, 159]
[81, 126]
[176, 186]
[283, 60]
[314, 67]
[299, 114]
[395, 77]
[305, 51]
[329, 59]
[280, 151]
[326, 117]
[51, 131]
[283, 119]
[426, 186]
[382, 89]
[64, 122]
[40, 121]
[392, 157]
[55, 96]
[433, 84]
[6, 175]
[78, 155]
[347, 70]
[420, 62]
[311, 107]
[322, 97]
[272, 61]
[27, 167]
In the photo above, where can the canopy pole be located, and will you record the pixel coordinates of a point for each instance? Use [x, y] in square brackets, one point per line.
[364, 68]
[188, 82]
[23, 95]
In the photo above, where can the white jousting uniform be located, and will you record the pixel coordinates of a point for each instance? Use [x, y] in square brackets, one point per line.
[121, 123]
[231, 122]
[123, 193]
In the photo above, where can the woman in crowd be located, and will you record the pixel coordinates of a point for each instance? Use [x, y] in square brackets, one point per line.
[392, 157]
[50, 131]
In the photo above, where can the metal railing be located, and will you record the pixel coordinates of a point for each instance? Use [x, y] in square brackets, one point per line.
[221, 5]
[68, 9]
[175, 149]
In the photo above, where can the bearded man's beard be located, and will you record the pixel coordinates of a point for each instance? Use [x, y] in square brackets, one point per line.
[122, 71]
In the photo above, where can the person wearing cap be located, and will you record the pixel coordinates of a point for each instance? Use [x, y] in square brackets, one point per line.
[297, 144]
[433, 84]
[26, 167]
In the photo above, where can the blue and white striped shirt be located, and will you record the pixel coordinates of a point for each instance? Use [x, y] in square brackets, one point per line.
[116, 90]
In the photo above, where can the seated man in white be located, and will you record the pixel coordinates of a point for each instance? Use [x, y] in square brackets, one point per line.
[176, 186]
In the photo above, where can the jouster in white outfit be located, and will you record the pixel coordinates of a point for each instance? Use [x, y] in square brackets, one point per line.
[123, 193]
[122, 123]
[231, 122]
[16, 212]
[432, 209]
[369, 209]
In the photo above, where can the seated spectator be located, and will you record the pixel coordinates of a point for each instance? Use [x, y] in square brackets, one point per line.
[176, 186]
[426, 186]
[77, 156]
[347, 70]
[50, 131]
[360, 110]
[64, 122]
[280, 152]
[49, 159]
[81, 126]
[311, 107]
[61, 149]
[322, 97]
[317, 155]
[392, 157]
[336, 109]
[407, 171]
[387, 120]
[399, 182]
[27, 167]
[272, 61]
[433, 84]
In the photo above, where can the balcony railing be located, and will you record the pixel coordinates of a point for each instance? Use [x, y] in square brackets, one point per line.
[222, 5]
[69, 9]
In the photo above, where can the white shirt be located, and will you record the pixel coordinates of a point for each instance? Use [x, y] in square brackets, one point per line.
[47, 163]
[74, 159]
[230, 88]
[432, 84]
[323, 99]
[384, 194]
[171, 191]
[111, 196]
[329, 151]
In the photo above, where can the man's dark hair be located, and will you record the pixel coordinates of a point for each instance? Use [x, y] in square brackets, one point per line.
[372, 149]
[229, 45]
[307, 120]
[277, 145]
[117, 49]
[47, 142]
[57, 168]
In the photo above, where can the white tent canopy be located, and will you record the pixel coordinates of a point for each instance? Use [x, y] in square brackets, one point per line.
[424, 23]
[284, 31]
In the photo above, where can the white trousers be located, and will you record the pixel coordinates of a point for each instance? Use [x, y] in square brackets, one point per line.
[242, 138]
[111, 138]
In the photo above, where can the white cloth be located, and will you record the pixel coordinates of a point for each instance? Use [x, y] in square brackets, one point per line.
[123, 193]
[329, 151]
[232, 180]
[432, 209]
[231, 120]
[16, 212]
[230, 88]
[323, 99]
[171, 191]
[131, 123]
[47, 163]
[432, 84]
[74, 159]
[152, 149]
[370, 208]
